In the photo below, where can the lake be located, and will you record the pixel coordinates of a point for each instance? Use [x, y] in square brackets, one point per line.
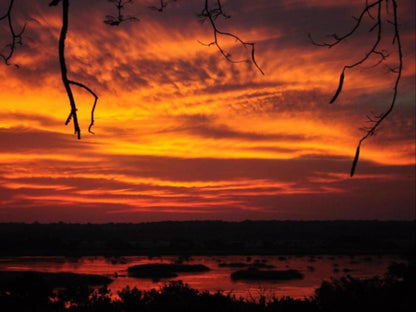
[314, 268]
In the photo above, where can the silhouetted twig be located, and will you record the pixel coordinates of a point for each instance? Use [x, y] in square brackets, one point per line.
[120, 18]
[67, 83]
[376, 119]
[162, 6]
[16, 37]
[211, 14]
[94, 105]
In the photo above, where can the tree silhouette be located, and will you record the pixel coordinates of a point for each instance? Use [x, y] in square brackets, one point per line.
[380, 11]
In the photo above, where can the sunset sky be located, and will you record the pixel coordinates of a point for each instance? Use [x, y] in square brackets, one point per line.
[183, 134]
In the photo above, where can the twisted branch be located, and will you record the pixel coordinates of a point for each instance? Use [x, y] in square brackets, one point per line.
[376, 119]
[211, 14]
[16, 37]
[67, 83]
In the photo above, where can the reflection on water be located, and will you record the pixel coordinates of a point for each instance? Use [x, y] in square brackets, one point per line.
[315, 269]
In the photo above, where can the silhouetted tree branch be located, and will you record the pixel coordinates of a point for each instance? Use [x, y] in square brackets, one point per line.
[120, 18]
[376, 119]
[163, 5]
[94, 105]
[67, 83]
[16, 37]
[211, 14]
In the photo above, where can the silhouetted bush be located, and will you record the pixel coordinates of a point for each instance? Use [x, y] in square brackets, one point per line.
[394, 292]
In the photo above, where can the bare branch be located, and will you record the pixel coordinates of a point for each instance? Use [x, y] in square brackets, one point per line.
[371, 131]
[339, 39]
[211, 14]
[162, 6]
[67, 83]
[94, 105]
[368, 11]
[120, 18]
[16, 37]
[65, 80]
[375, 45]
[376, 119]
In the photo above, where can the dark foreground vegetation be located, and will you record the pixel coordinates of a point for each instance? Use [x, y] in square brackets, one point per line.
[393, 292]
[208, 237]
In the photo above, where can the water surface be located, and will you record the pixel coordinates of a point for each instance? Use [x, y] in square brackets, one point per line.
[315, 270]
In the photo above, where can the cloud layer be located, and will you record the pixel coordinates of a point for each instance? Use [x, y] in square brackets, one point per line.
[183, 134]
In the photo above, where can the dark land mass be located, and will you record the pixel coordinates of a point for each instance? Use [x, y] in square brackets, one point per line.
[208, 238]
[253, 274]
[164, 270]
[54, 280]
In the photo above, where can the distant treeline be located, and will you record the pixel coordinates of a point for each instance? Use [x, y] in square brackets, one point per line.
[208, 237]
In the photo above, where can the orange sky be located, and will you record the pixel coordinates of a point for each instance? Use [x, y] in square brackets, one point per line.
[182, 134]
